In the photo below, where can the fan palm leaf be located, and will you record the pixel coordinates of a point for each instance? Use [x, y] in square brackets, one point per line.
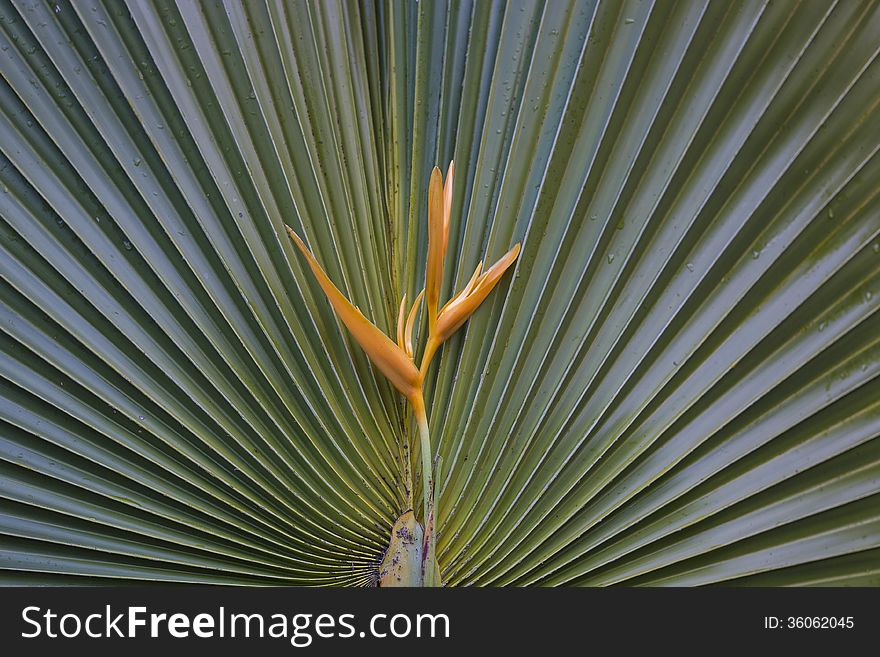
[675, 384]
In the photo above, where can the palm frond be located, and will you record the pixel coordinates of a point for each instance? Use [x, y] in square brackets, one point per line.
[677, 385]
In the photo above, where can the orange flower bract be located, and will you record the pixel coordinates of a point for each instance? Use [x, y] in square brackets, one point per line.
[390, 358]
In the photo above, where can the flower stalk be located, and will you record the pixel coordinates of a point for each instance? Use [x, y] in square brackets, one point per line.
[430, 540]
[395, 359]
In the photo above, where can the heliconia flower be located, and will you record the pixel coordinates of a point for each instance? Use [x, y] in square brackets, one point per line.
[444, 322]
[439, 208]
[391, 359]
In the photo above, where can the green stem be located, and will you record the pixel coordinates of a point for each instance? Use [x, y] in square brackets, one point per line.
[407, 473]
[430, 552]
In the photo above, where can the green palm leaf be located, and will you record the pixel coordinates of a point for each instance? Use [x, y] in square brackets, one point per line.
[677, 385]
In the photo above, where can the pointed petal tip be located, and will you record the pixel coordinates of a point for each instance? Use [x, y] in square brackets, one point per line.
[296, 239]
[401, 318]
[501, 265]
[410, 321]
[513, 253]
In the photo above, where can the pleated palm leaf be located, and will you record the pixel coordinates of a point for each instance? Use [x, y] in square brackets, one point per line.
[676, 383]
